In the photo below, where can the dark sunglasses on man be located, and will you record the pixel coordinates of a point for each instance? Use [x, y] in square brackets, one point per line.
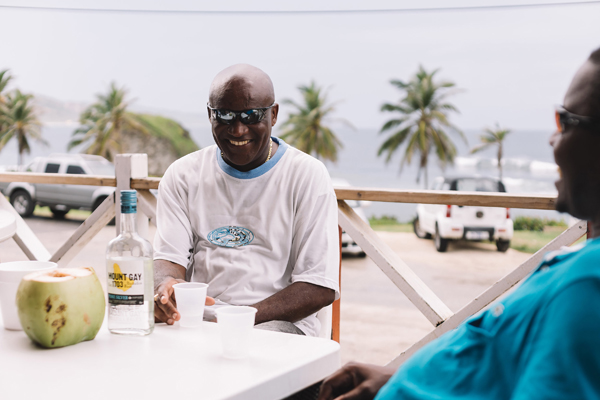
[246, 117]
[565, 118]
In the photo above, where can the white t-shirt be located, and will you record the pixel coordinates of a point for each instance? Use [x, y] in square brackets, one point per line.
[250, 234]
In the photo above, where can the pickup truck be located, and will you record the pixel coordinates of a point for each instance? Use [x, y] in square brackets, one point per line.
[60, 198]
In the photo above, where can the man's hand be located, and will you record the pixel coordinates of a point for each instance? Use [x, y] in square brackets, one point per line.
[355, 382]
[167, 274]
[166, 305]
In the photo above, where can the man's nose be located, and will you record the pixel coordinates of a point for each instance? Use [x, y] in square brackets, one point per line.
[237, 128]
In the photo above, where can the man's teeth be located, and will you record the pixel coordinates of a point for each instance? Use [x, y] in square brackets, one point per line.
[233, 142]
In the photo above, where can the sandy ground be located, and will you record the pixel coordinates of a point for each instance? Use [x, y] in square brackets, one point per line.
[378, 321]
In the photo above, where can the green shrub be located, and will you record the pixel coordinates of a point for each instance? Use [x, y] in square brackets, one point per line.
[528, 224]
[553, 222]
[535, 224]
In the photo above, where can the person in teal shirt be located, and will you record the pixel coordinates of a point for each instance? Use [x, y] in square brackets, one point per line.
[543, 340]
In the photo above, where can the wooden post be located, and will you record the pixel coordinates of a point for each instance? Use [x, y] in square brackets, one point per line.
[127, 167]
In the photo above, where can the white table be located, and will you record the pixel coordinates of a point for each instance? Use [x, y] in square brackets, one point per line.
[172, 363]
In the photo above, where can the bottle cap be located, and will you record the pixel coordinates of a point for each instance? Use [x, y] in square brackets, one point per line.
[128, 201]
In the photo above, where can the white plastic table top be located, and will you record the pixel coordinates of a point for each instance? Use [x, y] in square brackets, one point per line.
[8, 225]
[171, 363]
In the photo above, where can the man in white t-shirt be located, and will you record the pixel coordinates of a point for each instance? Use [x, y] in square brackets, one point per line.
[253, 217]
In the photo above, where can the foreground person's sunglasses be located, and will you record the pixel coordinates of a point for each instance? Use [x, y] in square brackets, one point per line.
[565, 118]
[246, 117]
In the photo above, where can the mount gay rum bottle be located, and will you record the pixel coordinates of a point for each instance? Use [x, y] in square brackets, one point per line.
[130, 276]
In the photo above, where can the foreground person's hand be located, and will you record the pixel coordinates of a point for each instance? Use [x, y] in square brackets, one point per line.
[355, 382]
[165, 309]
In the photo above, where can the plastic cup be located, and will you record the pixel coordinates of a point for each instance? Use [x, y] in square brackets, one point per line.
[11, 274]
[235, 326]
[190, 297]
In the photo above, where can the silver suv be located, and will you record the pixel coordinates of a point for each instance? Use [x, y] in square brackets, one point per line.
[60, 198]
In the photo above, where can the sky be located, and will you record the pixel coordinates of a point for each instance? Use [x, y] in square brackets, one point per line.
[512, 66]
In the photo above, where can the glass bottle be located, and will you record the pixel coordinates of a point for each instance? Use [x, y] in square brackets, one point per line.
[130, 275]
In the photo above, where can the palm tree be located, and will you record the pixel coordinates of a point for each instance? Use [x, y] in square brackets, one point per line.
[103, 122]
[19, 121]
[305, 128]
[4, 79]
[492, 137]
[423, 122]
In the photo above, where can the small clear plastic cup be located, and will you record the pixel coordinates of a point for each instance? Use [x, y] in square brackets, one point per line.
[235, 326]
[11, 274]
[190, 297]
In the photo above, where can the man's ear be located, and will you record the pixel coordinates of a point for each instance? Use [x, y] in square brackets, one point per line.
[274, 112]
[208, 110]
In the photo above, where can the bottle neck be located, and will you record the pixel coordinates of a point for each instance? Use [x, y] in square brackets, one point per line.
[128, 222]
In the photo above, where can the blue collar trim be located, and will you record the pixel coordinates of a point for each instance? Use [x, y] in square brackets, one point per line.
[258, 171]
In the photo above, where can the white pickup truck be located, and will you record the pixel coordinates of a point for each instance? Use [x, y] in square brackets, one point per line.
[60, 198]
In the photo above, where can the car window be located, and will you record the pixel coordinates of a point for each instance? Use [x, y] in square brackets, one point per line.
[75, 169]
[52, 168]
[479, 185]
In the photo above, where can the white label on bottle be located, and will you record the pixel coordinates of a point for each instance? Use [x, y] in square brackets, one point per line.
[125, 281]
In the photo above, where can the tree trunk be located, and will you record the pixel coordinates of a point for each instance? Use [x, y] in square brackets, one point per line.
[500, 159]
[20, 139]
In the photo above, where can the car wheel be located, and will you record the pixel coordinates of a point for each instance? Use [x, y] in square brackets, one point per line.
[58, 214]
[502, 245]
[97, 204]
[22, 203]
[441, 244]
[421, 234]
[362, 254]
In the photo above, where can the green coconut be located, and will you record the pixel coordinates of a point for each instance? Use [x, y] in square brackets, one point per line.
[61, 307]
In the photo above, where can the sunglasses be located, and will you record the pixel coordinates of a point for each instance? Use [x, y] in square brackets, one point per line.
[565, 118]
[246, 117]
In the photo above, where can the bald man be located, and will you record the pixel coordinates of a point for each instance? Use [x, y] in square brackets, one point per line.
[251, 216]
[541, 341]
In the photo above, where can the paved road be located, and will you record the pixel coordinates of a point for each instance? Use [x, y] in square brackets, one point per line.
[378, 321]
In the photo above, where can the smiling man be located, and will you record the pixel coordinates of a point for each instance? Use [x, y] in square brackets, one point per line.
[251, 216]
[541, 341]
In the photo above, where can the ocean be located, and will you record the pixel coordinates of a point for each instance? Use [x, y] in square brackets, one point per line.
[528, 163]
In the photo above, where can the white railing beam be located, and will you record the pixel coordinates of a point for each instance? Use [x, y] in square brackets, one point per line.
[388, 261]
[86, 232]
[24, 236]
[127, 167]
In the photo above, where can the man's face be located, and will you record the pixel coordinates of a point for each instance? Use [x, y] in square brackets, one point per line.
[245, 147]
[577, 149]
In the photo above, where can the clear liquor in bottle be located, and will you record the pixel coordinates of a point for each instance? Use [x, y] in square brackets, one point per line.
[130, 275]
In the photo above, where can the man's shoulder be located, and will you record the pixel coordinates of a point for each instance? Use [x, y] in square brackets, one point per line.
[302, 162]
[193, 159]
[582, 264]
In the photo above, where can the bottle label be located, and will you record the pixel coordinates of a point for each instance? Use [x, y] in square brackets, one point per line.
[125, 281]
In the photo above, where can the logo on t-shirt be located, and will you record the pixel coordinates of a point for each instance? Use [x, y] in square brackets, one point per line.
[231, 236]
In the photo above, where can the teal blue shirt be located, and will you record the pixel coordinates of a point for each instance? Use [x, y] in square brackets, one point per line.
[540, 342]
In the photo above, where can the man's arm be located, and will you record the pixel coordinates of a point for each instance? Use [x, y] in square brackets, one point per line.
[167, 274]
[295, 302]
[355, 382]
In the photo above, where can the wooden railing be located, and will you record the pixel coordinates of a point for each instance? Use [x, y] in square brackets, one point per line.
[131, 172]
